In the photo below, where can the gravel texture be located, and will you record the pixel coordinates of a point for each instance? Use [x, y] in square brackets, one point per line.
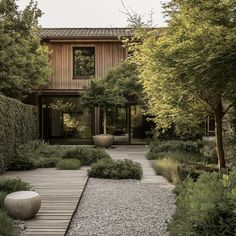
[123, 207]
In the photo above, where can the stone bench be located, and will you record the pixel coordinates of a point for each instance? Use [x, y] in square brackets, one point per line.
[23, 204]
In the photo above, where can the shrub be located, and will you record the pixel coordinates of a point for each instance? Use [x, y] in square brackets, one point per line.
[206, 207]
[36, 154]
[86, 155]
[168, 168]
[19, 124]
[68, 164]
[6, 225]
[9, 185]
[158, 148]
[120, 169]
[195, 170]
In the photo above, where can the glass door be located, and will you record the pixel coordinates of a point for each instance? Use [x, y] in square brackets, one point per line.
[118, 124]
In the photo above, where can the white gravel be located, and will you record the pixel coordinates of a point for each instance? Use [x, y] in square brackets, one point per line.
[123, 207]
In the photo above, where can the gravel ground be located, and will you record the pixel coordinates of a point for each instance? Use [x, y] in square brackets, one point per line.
[123, 207]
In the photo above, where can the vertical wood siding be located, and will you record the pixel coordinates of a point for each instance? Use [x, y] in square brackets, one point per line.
[107, 55]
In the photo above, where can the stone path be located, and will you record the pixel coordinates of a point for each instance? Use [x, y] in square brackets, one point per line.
[125, 207]
[137, 153]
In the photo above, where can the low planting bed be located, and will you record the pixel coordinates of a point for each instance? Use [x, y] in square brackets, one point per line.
[176, 159]
[205, 207]
[38, 154]
[116, 169]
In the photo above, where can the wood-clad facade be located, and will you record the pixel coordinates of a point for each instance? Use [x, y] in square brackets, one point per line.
[107, 55]
[63, 119]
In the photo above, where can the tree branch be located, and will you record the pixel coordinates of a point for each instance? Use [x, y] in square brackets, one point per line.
[227, 109]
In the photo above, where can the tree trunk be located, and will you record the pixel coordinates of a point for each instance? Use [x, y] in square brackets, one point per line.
[104, 121]
[219, 135]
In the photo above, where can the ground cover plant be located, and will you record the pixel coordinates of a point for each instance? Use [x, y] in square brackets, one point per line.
[68, 164]
[178, 159]
[116, 169]
[36, 154]
[206, 207]
[87, 155]
[9, 185]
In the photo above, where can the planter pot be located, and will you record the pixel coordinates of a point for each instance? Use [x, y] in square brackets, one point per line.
[103, 140]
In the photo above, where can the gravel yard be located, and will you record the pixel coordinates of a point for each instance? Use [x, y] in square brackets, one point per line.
[123, 207]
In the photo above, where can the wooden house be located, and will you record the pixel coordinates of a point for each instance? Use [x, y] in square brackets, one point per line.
[77, 54]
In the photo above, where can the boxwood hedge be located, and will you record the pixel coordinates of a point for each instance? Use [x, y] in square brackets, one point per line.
[18, 124]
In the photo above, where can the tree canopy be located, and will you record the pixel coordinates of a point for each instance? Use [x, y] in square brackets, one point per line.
[23, 61]
[190, 70]
[125, 79]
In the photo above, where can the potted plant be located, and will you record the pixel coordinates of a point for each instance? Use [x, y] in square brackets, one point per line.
[100, 94]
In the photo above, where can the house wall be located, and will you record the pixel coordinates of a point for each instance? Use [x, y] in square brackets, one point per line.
[107, 55]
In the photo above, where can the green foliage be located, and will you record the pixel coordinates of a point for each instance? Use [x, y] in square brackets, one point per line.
[19, 124]
[68, 164]
[120, 169]
[168, 168]
[6, 225]
[9, 185]
[183, 151]
[189, 71]
[36, 154]
[100, 94]
[125, 79]
[87, 155]
[206, 207]
[24, 62]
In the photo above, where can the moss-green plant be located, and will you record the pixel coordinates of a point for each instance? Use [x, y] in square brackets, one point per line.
[87, 155]
[36, 154]
[13, 184]
[206, 207]
[6, 224]
[68, 164]
[168, 168]
[157, 148]
[116, 169]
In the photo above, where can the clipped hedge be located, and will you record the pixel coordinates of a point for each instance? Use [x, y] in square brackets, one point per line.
[18, 124]
[116, 169]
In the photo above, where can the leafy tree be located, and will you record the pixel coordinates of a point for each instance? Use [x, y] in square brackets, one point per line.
[125, 79]
[23, 61]
[102, 95]
[190, 71]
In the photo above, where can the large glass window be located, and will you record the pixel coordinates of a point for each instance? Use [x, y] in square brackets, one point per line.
[63, 117]
[83, 62]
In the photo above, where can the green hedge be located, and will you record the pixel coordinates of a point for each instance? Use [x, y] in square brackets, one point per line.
[18, 124]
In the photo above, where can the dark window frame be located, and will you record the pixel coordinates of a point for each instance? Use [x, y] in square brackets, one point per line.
[74, 48]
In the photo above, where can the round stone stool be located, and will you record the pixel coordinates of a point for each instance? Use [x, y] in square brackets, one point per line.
[23, 204]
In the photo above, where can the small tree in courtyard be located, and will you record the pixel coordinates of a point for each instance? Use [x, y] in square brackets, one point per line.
[100, 94]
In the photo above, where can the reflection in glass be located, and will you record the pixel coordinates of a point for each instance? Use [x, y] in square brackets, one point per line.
[63, 117]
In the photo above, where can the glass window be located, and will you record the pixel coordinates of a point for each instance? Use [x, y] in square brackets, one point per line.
[83, 62]
[64, 118]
